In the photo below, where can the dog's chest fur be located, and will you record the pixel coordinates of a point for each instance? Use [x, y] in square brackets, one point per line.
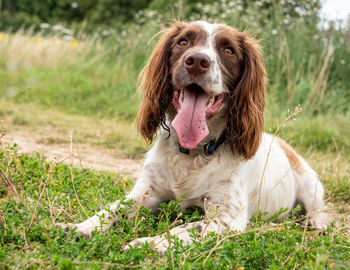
[197, 177]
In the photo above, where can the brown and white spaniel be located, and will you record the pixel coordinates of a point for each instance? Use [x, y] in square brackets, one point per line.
[203, 99]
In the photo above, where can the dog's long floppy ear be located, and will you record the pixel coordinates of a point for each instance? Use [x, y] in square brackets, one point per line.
[245, 122]
[154, 82]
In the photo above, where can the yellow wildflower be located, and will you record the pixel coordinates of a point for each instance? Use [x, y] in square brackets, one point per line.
[3, 37]
[38, 40]
[74, 43]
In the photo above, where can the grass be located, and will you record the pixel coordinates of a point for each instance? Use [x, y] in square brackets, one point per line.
[52, 86]
[263, 245]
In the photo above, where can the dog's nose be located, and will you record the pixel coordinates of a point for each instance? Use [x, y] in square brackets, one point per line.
[197, 63]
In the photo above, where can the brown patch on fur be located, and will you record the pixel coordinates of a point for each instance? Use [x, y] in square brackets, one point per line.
[154, 81]
[292, 156]
[245, 122]
[229, 65]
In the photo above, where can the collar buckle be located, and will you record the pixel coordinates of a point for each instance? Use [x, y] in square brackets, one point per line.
[210, 147]
[184, 150]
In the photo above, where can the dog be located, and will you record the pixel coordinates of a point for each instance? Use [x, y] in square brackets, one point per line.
[203, 104]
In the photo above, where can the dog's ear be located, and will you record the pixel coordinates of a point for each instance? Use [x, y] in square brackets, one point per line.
[245, 122]
[154, 83]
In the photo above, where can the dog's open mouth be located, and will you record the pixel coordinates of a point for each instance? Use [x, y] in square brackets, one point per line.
[193, 106]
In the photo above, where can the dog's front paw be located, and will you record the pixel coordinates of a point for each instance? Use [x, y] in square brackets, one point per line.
[84, 232]
[320, 220]
[159, 244]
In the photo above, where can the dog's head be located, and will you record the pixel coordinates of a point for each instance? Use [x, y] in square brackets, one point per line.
[198, 70]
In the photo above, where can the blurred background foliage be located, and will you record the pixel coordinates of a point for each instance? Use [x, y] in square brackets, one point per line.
[19, 13]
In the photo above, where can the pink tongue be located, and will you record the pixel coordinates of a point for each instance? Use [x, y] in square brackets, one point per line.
[190, 122]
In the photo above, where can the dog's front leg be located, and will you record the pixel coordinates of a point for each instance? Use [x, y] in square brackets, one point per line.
[101, 221]
[232, 214]
[144, 193]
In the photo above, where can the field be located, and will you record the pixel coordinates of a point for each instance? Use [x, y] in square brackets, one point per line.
[64, 90]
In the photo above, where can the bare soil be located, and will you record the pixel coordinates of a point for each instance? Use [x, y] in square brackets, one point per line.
[83, 155]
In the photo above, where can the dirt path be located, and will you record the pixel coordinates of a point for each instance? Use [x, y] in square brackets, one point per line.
[84, 155]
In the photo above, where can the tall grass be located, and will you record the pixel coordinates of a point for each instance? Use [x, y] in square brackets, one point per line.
[96, 74]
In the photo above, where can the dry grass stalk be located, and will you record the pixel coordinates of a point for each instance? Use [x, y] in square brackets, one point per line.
[23, 50]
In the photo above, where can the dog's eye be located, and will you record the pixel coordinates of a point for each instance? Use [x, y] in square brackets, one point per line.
[183, 43]
[228, 51]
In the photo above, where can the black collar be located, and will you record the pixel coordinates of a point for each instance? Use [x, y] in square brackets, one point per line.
[209, 148]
